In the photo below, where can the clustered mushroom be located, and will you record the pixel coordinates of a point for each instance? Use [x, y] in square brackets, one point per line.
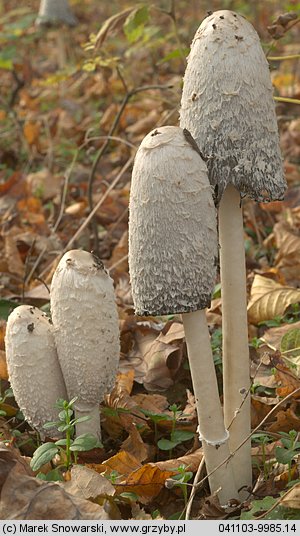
[227, 104]
[77, 356]
[228, 119]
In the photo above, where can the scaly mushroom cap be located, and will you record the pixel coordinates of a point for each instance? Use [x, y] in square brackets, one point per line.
[172, 226]
[227, 104]
[55, 12]
[33, 366]
[85, 320]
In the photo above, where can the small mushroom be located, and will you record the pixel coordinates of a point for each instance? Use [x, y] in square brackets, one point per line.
[34, 371]
[55, 14]
[172, 261]
[85, 320]
[234, 123]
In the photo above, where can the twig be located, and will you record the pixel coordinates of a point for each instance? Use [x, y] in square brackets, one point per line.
[34, 267]
[102, 150]
[194, 488]
[277, 503]
[249, 436]
[117, 263]
[237, 411]
[120, 218]
[100, 202]
[113, 138]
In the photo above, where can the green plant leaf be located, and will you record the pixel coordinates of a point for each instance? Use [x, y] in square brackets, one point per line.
[261, 506]
[181, 435]
[129, 495]
[290, 344]
[43, 454]
[65, 427]
[166, 444]
[81, 419]
[53, 476]
[85, 442]
[61, 442]
[6, 307]
[52, 424]
[283, 455]
[134, 24]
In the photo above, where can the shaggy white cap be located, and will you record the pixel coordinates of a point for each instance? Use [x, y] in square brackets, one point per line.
[33, 366]
[227, 104]
[173, 245]
[55, 12]
[85, 320]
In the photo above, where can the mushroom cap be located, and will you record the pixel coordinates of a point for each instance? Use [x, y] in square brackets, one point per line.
[33, 366]
[227, 104]
[54, 13]
[85, 320]
[172, 226]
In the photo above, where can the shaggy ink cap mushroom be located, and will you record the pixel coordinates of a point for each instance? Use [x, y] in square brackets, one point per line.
[227, 104]
[86, 331]
[34, 371]
[55, 13]
[173, 244]
[173, 248]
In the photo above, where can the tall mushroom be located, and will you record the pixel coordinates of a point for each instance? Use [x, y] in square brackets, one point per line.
[33, 367]
[172, 261]
[56, 13]
[227, 104]
[85, 320]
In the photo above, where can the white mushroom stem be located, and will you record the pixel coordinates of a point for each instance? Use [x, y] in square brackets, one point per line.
[93, 423]
[236, 373]
[213, 433]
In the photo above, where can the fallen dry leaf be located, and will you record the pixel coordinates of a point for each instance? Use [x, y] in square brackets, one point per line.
[43, 184]
[292, 498]
[146, 482]
[287, 260]
[31, 131]
[88, 484]
[191, 462]
[260, 407]
[286, 380]
[135, 445]
[155, 361]
[12, 255]
[286, 420]
[272, 337]
[26, 497]
[3, 366]
[268, 299]
[123, 463]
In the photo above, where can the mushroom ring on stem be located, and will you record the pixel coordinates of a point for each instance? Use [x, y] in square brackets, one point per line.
[34, 371]
[227, 104]
[173, 252]
[86, 331]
